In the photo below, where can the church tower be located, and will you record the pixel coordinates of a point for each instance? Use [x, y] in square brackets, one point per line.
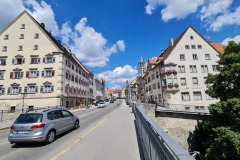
[141, 67]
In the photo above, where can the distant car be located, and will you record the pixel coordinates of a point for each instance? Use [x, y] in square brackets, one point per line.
[127, 101]
[111, 101]
[106, 100]
[42, 125]
[102, 104]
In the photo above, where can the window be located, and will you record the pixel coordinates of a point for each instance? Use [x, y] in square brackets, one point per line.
[12, 109]
[20, 60]
[164, 81]
[6, 37]
[157, 74]
[72, 67]
[72, 78]
[35, 47]
[35, 60]
[153, 76]
[36, 36]
[154, 86]
[187, 47]
[199, 46]
[214, 68]
[2, 91]
[169, 81]
[205, 80]
[181, 69]
[148, 79]
[191, 37]
[207, 56]
[54, 115]
[193, 46]
[197, 96]
[17, 75]
[195, 57]
[21, 36]
[4, 49]
[182, 57]
[183, 81]
[67, 75]
[47, 89]
[185, 96]
[32, 74]
[48, 73]
[31, 89]
[22, 26]
[14, 90]
[194, 81]
[2, 61]
[193, 69]
[204, 68]
[20, 48]
[1, 74]
[49, 60]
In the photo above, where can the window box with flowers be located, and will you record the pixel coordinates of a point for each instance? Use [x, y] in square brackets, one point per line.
[164, 85]
[162, 73]
[174, 71]
[168, 72]
[176, 85]
[170, 85]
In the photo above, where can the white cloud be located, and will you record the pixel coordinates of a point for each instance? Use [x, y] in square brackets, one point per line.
[214, 14]
[91, 47]
[236, 39]
[178, 9]
[119, 76]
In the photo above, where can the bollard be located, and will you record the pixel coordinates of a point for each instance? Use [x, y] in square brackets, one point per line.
[2, 116]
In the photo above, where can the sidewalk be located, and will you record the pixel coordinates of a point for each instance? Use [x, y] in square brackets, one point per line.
[113, 138]
[7, 123]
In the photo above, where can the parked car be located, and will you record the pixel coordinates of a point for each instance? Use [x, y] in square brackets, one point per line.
[102, 104]
[111, 101]
[42, 125]
[96, 103]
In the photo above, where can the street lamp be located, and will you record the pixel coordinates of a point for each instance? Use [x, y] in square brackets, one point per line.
[24, 94]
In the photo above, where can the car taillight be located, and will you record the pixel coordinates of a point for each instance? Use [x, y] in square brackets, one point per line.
[41, 125]
[12, 127]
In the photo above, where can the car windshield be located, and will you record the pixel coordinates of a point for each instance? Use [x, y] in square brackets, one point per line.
[29, 118]
[101, 102]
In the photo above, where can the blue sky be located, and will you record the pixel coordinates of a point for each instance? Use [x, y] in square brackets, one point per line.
[110, 36]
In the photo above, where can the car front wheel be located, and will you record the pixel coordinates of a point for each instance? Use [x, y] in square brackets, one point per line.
[50, 137]
[76, 125]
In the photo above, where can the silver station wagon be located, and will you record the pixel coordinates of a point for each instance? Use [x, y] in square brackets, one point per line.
[42, 125]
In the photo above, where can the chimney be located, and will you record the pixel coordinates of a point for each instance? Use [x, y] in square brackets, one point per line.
[162, 51]
[43, 25]
[171, 42]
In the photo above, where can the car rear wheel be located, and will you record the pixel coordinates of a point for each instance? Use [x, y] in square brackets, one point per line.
[76, 125]
[50, 137]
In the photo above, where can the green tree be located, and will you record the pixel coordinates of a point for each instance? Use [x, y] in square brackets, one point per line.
[126, 92]
[223, 125]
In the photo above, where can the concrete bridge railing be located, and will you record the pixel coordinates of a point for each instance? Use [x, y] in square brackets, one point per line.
[156, 144]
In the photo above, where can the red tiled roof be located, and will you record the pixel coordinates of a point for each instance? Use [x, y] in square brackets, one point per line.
[153, 61]
[218, 47]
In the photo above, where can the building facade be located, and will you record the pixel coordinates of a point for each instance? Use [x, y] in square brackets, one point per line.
[37, 71]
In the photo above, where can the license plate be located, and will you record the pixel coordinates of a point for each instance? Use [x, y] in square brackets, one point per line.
[22, 132]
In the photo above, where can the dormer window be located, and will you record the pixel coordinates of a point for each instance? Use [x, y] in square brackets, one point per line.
[6, 37]
[21, 36]
[22, 26]
[191, 37]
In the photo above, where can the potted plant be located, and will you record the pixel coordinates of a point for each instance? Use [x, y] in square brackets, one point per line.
[170, 85]
[174, 71]
[176, 85]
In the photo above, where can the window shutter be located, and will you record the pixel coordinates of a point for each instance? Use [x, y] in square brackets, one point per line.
[13, 61]
[20, 90]
[27, 74]
[37, 73]
[52, 88]
[42, 73]
[36, 89]
[38, 60]
[23, 60]
[53, 59]
[41, 89]
[11, 74]
[21, 74]
[3, 89]
[31, 60]
[25, 89]
[43, 59]
[9, 89]
[53, 71]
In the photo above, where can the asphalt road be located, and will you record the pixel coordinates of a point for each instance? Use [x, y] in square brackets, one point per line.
[32, 151]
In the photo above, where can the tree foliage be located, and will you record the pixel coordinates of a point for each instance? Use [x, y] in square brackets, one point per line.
[223, 126]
